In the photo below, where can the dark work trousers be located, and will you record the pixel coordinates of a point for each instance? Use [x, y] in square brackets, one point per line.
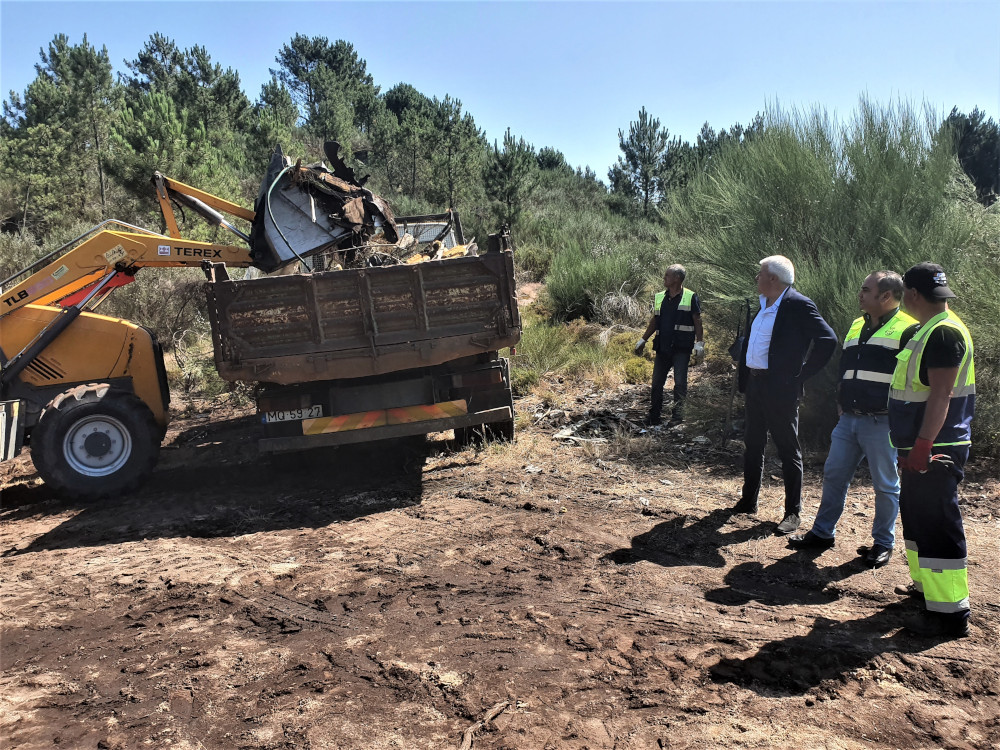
[772, 406]
[934, 534]
[661, 367]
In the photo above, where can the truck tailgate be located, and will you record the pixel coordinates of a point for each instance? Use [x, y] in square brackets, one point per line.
[356, 323]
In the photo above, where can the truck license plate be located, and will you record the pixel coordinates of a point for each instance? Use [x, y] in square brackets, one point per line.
[294, 415]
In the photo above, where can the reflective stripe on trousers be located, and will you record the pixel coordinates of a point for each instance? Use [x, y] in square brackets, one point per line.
[934, 534]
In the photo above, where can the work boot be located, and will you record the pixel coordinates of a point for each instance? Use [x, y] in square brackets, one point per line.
[788, 524]
[937, 625]
[878, 556]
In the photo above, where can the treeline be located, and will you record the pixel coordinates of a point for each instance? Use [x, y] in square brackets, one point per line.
[655, 164]
[79, 145]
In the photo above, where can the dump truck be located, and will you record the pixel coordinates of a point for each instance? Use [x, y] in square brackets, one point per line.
[353, 355]
[335, 353]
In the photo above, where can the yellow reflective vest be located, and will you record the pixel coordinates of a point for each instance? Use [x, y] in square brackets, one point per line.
[866, 367]
[908, 394]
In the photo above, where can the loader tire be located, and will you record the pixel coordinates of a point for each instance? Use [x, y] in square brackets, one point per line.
[92, 442]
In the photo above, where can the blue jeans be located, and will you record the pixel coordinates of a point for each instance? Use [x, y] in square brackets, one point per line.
[661, 367]
[856, 437]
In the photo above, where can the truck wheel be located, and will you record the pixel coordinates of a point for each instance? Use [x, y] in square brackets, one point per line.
[92, 442]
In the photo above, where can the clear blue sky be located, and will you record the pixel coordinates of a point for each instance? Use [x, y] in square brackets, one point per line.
[568, 74]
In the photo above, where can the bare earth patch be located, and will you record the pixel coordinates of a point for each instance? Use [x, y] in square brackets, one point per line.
[585, 594]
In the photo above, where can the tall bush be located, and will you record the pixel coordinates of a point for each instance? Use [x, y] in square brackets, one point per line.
[883, 190]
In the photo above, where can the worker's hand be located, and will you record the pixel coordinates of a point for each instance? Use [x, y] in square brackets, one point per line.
[639, 346]
[699, 352]
[918, 458]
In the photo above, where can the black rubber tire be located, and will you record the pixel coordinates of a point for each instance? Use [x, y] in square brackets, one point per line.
[71, 459]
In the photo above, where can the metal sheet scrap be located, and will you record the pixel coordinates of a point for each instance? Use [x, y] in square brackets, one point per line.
[318, 218]
[302, 210]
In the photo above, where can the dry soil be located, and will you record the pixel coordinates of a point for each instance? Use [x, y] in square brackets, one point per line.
[589, 593]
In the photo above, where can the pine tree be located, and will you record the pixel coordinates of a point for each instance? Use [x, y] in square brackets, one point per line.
[274, 119]
[330, 83]
[977, 145]
[640, 168]
[211, 96]
[509, 175]
[458, 149]
[56, 134]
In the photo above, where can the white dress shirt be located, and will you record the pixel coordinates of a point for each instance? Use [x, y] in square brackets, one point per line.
[760, 333]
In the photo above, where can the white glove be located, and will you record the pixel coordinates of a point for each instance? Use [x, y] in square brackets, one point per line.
[639, 346]
[699, 352]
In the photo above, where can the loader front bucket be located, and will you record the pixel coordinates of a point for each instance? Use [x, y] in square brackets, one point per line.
[303, 210]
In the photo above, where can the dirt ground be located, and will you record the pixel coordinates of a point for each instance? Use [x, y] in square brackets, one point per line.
[585, 594]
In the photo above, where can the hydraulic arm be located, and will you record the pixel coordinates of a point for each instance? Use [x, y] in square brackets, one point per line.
[115, 247]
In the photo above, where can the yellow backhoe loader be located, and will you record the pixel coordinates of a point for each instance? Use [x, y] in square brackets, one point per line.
[89, 392]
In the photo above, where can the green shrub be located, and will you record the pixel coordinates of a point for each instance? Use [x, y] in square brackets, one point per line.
[604, 283]
[638, 370]
[883, 191]
[17, 252]
[169, 301]
[534, 260]
[191, 367]
[576, 350]
[976, 281]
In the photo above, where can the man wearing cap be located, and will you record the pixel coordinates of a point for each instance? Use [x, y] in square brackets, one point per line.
[788, 343]
[676, 320]
[866, 367]
[932, 398]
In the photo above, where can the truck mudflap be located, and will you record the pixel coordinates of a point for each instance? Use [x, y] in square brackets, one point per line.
[11, 429]
[384, 424]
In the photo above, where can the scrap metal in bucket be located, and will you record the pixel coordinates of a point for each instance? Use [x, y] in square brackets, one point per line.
[303, 210]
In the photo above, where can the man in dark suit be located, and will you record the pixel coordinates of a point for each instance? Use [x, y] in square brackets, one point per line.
[787, 344]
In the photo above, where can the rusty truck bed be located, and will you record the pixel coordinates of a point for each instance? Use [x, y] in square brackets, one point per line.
[355, 323]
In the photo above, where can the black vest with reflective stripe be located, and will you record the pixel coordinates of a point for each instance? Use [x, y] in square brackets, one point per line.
[866, 368]
[681, 335]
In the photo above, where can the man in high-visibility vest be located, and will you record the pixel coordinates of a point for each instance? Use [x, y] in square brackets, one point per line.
[866, 367]
[932, 398]
[676, 319]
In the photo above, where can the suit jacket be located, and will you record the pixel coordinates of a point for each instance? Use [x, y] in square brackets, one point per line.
[801, 343]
